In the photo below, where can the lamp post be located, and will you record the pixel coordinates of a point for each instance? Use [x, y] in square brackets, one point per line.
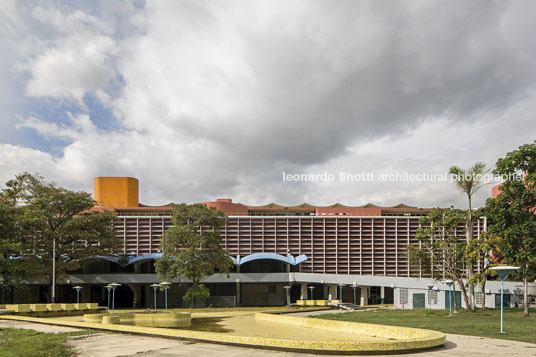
[53, 292]
[341, 285]
[355, 293]
[287, 294]
[114, 286]
[108, 287]
[449, 284]
[155, 287]
[311, 292]
[77, 288]
[165, 285]
[503, 271]
[430, 287]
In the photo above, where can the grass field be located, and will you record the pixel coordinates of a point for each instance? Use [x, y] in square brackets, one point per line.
[479, 323]
[30, 343]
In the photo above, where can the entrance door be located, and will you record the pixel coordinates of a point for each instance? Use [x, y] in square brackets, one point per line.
[418, 301]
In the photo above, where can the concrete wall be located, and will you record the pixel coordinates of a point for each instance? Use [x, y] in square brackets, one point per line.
[260, 295]
[514, 294]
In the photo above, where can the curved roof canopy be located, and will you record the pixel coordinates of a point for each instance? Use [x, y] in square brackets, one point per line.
[144, 257]
[108, 258]
[289, 259]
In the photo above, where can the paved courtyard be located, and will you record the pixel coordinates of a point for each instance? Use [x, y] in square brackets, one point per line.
[111, 345]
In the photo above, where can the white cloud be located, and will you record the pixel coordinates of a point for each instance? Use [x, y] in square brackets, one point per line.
[219, 100]
[79, 65]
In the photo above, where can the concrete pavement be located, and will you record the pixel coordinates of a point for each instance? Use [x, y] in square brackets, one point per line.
[112, 345]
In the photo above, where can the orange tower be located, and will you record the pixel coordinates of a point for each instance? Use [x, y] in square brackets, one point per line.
[116, 191]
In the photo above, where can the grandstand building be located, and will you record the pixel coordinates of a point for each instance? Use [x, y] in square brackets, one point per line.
[318, 251]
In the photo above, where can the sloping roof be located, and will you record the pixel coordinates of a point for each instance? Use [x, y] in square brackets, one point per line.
[403, 205]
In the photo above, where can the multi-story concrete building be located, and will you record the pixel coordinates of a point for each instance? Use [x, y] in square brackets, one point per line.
[313, 250]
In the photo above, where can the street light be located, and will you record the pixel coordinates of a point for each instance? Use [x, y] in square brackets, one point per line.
[77, 288]
[287, 294]
[155, 287]
[165, 285]
[341, 285]
[53, 292]
[311, 291]
[108, 287]
[503, 271]
[449, 284]
[355, 293]
[114, 286]
[430, 287]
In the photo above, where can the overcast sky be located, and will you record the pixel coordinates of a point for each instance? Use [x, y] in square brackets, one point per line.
[208, 99]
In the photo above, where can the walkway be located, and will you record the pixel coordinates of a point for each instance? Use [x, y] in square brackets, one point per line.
[111, 345]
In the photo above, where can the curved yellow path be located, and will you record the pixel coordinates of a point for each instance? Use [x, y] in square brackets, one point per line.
[278, 331]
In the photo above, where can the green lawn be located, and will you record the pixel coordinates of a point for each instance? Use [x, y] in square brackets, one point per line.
[479, 323]
[30, 343]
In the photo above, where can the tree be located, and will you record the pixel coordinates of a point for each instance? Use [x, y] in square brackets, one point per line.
[469, 182]
[512, 213]
[12, 270]
[57, 227]
[191, 248]
[484, 249]
[440, 253]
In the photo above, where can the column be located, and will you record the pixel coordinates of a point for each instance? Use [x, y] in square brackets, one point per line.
[332, 293]
[237, 292]
[364, 296]
[136, 289]
[303, 292]
[382, 295]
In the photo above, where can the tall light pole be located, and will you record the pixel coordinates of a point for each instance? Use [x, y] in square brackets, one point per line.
[165, 285]
[341, 285]
[430, 287]
[77, 288]
[114, 286]
[53, 292]
[311, 291]
[503, 271]
[108, 287]
[155, 287]
[287, 294]
[449, 284]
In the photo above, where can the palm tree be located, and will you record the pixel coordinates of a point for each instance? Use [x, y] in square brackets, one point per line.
[469, 182]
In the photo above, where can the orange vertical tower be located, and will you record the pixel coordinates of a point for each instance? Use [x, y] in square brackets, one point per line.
[116, 191]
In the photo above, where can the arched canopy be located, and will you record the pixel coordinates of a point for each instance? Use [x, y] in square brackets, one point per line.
[97, 257]
[144, 257]
[289, 259]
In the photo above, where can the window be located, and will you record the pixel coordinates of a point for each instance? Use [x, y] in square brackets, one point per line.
[434, 297]
[271, 289]
[403, 296]
[478, 299]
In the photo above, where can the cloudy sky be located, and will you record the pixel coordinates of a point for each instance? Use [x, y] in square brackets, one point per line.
[208, 99]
